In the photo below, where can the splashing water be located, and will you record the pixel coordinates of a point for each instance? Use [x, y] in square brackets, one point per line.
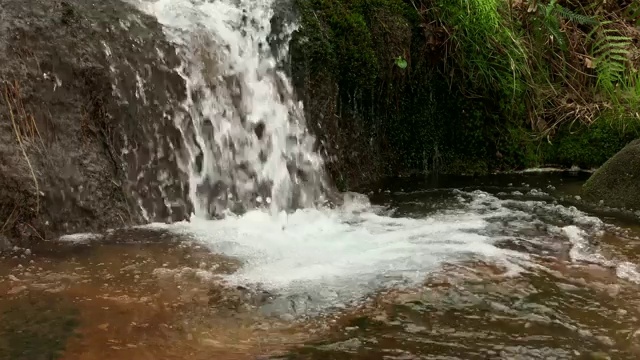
[246, 140]
[247, 147]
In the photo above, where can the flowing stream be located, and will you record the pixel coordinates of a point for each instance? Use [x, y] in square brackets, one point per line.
[503, 267]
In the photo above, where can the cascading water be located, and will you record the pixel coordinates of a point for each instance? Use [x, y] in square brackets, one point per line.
[246, 141]
[246, 145]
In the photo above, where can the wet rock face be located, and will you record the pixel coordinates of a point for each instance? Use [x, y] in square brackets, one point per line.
[87, 139]
[341, 71]
[617, 182]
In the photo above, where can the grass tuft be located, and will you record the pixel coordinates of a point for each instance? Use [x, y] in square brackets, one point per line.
[553, 62]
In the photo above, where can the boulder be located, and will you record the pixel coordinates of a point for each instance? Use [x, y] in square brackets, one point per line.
[88, 93]
[617, 182]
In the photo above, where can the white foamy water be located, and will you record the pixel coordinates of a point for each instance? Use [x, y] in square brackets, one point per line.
[331, 247]
[339, 256]
[246, 143]
[80, 237]
[342, 255]
[321, 259]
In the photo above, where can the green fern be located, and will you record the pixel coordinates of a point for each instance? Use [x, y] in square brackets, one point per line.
[550, 17]
[611, 53]
[552, 24]
[572, 16]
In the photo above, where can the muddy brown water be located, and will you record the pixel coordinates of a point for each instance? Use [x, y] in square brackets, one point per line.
[143, 294]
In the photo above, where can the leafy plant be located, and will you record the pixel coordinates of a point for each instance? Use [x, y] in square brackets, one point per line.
[484, 47]
[550, 16]
[401, 62]
[611, 54]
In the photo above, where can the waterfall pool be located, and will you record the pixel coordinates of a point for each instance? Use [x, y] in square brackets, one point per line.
[501, 267]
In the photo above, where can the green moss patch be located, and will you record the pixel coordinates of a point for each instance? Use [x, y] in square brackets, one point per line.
[589, 146]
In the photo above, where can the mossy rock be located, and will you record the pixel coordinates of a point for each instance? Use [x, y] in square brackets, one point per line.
[406, 120]
[617, 182]
[419, 118]
[589, 146]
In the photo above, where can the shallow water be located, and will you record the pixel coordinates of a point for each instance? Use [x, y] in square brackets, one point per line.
[501, 267]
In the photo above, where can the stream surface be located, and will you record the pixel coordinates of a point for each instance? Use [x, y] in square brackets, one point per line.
[508, 266]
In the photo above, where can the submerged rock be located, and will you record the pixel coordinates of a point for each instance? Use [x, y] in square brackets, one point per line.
[617, 182]
[87, 98]
[36, 327]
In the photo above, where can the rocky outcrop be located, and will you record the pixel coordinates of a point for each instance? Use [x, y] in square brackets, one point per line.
[617, 182]
[370, 76]
[87, 139]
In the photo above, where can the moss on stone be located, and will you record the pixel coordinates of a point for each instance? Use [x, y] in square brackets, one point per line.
[518, 148]
[617, 182]
[337, 38]
[589, 146]
[416, 119]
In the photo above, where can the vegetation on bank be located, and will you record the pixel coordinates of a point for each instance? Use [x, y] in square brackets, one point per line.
[469, 86]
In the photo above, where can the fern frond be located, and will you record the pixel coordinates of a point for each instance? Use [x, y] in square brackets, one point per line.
[599, 27]
[552, 24]
[611, 53]
[574, 17]
[606, 43]
[551, 14]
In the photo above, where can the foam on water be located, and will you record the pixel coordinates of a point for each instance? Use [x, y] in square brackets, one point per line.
[337, 256]
[323, 248]
[246, 142]
[79, 237]
[552, 169]
[341, 255]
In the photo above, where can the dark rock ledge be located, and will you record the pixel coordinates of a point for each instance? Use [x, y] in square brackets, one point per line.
[88, 94]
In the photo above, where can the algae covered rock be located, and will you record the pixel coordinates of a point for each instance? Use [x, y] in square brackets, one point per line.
[617, 182]
[370, 76]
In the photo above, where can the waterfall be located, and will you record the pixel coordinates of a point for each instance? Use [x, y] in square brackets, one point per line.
[246, 144]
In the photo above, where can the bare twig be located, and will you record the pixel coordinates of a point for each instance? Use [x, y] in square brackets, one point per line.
[8, 221]
[16, 129]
